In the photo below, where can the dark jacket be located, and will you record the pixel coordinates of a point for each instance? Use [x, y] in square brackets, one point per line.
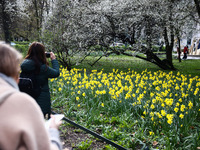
[46, 72]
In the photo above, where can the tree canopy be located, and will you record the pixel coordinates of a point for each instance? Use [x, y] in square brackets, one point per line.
[78, 27]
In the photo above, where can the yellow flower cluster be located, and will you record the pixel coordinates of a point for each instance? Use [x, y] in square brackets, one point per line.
[161, 96]
[170, 118]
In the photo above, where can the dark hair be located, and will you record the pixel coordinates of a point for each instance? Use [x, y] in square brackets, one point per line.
[36, 52]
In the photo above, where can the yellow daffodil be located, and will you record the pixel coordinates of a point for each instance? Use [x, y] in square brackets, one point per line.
[176, 109]
[151, 133]
[181, 116]
[182, 108]
[190, 105]
[152, 106]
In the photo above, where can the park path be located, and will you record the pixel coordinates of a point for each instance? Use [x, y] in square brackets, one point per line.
[190, 56]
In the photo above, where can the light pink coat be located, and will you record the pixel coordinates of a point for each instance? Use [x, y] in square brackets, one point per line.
[21, 122]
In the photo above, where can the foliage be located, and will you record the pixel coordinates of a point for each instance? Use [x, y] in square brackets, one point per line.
[72, 28]
[85, 145]
[155, 109]
[22, 47]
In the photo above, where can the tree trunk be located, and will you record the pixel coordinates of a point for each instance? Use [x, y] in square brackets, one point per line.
[39, 9]
[5, 21]
[179, 49]
[197, 4]
[169, 46]
[169, 39]
[168, 53]
[37, 19]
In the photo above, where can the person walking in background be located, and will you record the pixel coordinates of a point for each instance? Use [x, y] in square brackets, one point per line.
[185, 51]
[36, 61]
[22, 124]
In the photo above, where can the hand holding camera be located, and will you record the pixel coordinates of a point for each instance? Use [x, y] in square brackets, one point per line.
[50, 55]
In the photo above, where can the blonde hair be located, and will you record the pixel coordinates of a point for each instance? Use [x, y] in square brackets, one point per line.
[10, 60]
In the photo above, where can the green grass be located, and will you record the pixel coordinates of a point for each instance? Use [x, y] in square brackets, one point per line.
[187, 67]
[123, 63]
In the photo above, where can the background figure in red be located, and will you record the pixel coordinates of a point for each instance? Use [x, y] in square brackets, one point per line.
[185, 51]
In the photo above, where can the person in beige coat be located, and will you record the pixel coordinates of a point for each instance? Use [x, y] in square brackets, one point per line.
[22, 126]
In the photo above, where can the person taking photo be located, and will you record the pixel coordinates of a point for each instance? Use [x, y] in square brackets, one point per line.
[36, 61]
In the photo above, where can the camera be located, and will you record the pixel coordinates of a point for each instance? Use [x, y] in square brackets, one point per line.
[47, 54]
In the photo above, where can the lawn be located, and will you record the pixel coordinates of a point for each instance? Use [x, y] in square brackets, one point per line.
[132, 102]
[123, 63]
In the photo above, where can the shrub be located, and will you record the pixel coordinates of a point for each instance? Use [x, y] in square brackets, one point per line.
[22, 47]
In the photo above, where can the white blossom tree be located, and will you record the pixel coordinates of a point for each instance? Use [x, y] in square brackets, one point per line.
[78, 27]
[7, 13]
[23, 18]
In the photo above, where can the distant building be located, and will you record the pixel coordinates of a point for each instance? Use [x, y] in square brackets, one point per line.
[193, 43]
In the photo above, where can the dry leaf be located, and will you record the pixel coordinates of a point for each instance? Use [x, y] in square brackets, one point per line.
[192, 127]
[133, 134]
[155, 143]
